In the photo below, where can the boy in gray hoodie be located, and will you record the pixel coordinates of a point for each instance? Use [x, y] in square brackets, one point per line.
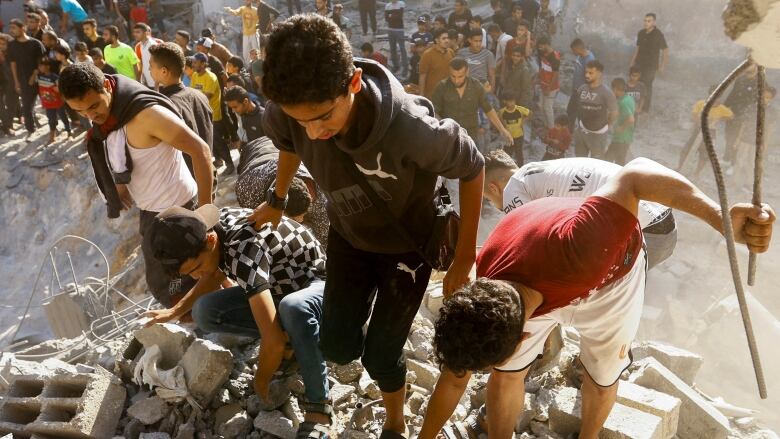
[332, 113]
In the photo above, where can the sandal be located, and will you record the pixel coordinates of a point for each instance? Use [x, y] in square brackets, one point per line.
[315, 430]
[469, 428]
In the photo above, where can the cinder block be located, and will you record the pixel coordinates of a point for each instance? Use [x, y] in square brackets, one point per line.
[207, 367]
[427, 375]
[660, 404]
[275, 423]
[73, 405]
[173, 341]
[699, 419]
[623, 422]
[684, 364]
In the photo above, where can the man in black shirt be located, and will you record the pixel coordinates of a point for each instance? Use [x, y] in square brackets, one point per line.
[650, 47]
[166, 66]
[251, 114]
[34, 28]
[24, 53]
[91, 37]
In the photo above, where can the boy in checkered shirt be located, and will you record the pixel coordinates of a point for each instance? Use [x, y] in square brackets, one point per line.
[279, 273]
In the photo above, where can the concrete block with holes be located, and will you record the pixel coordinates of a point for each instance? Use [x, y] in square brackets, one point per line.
[82, 405]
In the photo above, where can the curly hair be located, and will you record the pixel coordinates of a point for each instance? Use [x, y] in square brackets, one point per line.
[78, 79]
[308, 60]
[479, 326]
[298, 198]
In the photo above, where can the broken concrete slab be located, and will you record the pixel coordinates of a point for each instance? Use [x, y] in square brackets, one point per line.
[275, 423]
[700, 418]
[523, 421]
[239, 425]
[347, 373]
[339, 393]
[434, 300]
[650, 401]
[149, 410]
[78, 405]
[368, 387]
[173, 341]
[623, 422]
[427, 374]
[684, 364]
[206, 368]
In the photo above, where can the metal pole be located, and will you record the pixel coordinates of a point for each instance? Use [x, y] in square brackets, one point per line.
[728, 231]
[758, 170]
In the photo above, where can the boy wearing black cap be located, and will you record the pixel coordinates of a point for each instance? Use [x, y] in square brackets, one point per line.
[279, 294]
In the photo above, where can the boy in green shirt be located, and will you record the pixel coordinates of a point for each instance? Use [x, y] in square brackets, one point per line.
[623, 131]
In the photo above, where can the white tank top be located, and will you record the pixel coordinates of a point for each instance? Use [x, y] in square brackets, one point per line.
[160, 177]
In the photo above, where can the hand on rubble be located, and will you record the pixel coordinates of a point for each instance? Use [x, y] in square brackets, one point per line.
[459, 274]
[162, 316]
[265, 214]
[753, 225]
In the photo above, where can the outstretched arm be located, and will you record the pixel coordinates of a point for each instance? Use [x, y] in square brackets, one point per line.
[644, 179]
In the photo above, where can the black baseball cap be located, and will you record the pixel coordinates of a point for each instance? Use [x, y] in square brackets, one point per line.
[207, 32]
[177, 234]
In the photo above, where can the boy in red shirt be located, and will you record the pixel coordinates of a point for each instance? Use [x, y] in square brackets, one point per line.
[558, 139]
[51, 100]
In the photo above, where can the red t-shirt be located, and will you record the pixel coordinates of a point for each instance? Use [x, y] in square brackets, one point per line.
[138, 15]
[558, 138]
[565, 248]
[550, 65]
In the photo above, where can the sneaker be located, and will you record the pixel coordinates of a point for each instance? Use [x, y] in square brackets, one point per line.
[28, 137]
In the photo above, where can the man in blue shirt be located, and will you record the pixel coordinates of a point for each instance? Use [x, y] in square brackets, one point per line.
[72, 12]
[583, 57]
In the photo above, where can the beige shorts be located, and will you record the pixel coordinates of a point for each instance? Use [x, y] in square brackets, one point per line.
[606, 320]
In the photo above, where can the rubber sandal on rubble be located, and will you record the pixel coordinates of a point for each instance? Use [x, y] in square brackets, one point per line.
[314, 430]
[469, 428]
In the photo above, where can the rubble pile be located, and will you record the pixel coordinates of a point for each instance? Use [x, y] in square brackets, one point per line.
[166, 381]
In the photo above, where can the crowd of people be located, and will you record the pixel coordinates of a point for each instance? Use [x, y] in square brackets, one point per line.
[342, 214]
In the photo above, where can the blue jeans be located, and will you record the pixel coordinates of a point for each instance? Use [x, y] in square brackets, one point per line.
[300, 314]
[397, 42]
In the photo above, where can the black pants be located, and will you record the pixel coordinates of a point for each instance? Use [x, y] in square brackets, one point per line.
[367, 12]
[55, 114]
[571, 110]
[8, 105]
[29, 95]
[516, 150]
[648, 76]
[354, 278]
[165, 288]
[220, 148]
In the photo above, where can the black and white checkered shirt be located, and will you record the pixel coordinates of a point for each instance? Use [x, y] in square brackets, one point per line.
[283, 261]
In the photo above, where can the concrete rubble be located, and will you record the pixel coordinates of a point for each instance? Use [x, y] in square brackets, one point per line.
[55, 399]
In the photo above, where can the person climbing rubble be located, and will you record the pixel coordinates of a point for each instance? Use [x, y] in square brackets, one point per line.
[279, 295]
[136, 146]
[508, 187]
[365, 141]
[564, 261]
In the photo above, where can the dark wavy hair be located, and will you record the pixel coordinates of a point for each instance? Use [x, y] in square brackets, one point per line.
[78, 79]
[479, 326]
[308, 59]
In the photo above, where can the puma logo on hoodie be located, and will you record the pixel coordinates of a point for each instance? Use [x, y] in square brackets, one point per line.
[378, 171]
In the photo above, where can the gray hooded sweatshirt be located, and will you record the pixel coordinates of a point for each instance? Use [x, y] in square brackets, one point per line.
[401, 149]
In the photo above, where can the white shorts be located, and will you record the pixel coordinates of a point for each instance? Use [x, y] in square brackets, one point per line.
[606, 320]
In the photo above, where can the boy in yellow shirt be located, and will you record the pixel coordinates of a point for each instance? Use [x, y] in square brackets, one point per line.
[206, 82]
[249, 20]
[513, 117]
